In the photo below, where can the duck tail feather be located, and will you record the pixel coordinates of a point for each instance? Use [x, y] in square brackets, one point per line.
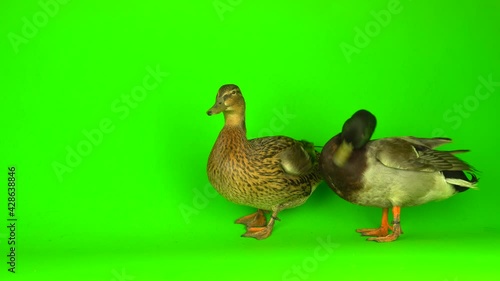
[459, 151]
[462, 183]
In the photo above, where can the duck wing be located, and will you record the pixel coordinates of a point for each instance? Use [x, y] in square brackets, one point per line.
[428, 142]
[295, 157]
[416, 155]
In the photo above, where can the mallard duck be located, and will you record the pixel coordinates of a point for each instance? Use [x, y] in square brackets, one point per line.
[269, 173]
[391, 172]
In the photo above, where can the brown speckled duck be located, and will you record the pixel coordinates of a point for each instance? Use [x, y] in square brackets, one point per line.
[269, 173]
[390, 172]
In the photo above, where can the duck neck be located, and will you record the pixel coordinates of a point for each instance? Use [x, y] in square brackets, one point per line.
[235, 120]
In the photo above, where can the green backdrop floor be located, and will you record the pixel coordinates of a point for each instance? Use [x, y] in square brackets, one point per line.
[103, 114]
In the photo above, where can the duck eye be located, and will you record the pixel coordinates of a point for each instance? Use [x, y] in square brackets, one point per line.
[219, 102]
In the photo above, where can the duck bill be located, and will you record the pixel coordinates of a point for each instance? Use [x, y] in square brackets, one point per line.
[216, 109]
[342, 154]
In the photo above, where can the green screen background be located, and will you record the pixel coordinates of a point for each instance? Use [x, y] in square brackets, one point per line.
[136, 205]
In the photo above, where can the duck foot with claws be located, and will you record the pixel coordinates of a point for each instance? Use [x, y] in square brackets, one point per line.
[262, 232]
[257, 219]
[383, 231]
[389, 238]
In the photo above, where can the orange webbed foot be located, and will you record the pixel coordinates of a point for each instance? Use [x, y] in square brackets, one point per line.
[396, 228]
[381, 231]
[388, 238]
[257, 219]
[261, 232]
[258, 233]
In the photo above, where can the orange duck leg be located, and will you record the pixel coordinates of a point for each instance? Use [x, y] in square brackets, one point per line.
[396, 228]
[383, 230]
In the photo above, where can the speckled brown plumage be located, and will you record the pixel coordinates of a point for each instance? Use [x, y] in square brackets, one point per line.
[270, 173]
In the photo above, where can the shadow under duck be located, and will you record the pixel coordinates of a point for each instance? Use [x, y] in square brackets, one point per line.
[268, 173]
[390, 172]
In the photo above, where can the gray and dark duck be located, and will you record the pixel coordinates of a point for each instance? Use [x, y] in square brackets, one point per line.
[391, 172]
[269, 173]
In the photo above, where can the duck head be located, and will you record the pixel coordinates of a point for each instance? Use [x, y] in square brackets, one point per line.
[356, 132]
[229, 100]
